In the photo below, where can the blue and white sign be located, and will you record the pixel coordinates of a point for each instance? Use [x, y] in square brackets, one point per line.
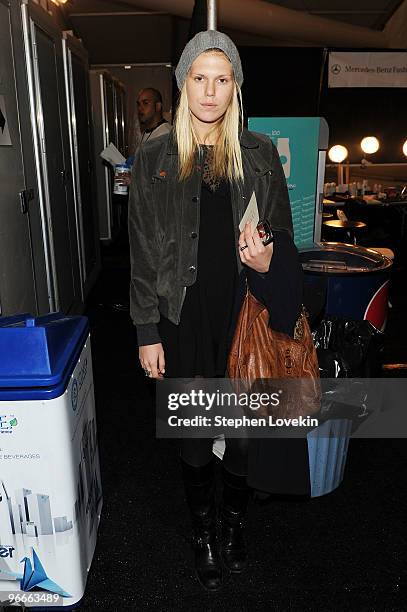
[298, 142]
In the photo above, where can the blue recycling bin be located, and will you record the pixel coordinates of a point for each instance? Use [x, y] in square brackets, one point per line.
[356, 280]
[50, 487]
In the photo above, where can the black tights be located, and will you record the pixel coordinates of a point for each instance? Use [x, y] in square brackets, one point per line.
[198, 452]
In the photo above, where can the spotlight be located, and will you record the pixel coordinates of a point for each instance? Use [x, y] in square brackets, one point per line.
[405, 148]
[370, 144]
[338, 153]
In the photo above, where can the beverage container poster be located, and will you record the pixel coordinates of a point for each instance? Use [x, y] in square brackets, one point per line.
[297, 140]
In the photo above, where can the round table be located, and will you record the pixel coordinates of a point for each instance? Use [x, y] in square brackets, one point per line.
[331, 204]
[350, 227]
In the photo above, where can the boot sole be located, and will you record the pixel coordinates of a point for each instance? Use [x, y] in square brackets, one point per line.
[233, 571]
[236, 571]
[219, 588]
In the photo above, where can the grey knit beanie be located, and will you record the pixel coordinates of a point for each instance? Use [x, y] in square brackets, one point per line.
[209, 39]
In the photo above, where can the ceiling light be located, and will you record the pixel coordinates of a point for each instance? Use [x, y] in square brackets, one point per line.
[405, 148]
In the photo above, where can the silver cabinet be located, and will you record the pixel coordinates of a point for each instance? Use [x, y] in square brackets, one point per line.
[24, 277]
[108, 117]
[120, 96]
[45, 72]
[49, 239]
[82, 162]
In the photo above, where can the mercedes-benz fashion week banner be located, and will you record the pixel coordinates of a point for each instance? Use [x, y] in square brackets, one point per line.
[367, 69]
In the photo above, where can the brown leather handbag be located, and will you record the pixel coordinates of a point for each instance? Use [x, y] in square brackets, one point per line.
[259, 356]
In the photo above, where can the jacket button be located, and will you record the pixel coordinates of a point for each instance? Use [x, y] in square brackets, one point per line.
[192, 268]
[193, 235]
[195, 199]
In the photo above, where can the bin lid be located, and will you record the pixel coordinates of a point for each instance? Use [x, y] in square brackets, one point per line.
[336, 258]
[37, 351]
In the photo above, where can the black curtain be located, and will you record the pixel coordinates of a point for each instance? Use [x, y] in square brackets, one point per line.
[292, 82]
[281, 81]
[198, 19]
[355, 112]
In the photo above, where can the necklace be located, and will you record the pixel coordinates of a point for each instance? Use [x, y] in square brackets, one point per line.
[208, 175]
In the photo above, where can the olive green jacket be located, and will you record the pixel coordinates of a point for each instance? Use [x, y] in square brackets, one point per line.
[164, 222]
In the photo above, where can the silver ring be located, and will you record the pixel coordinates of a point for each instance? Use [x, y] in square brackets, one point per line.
[242, 248]
[147, 372]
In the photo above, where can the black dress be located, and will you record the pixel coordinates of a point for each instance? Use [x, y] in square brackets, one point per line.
[199, 345]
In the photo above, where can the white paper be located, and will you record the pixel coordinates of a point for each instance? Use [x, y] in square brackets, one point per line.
[112, 155]
[251, 214]
[218, 446]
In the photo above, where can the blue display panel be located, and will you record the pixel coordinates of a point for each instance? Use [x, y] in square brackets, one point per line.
[297, 141]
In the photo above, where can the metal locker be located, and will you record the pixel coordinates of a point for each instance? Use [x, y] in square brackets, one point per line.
[81, 149]
[110, 106]
[113, 130]
[104, 121]
[24, 279]
[44, 60]
[120, 97]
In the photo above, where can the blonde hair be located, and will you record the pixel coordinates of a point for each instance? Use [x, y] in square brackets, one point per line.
[227, 159]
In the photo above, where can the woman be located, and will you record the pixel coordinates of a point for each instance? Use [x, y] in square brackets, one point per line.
[190, 263]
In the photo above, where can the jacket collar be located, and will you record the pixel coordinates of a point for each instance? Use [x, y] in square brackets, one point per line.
[151, 130]
[247, 141]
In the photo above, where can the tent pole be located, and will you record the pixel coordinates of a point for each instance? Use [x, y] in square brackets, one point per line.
[211, 14]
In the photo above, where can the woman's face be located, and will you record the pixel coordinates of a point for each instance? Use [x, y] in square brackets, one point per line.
[210, 86]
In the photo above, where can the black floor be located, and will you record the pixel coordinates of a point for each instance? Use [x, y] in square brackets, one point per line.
[344, 551]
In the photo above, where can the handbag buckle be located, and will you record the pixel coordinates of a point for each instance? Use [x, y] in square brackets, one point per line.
[288, 362]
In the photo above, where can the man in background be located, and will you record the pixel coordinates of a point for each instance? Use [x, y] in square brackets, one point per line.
[150, 116]
[152, 125]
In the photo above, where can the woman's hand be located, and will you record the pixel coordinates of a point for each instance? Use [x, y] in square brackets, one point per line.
[152, 360]
[255, 255]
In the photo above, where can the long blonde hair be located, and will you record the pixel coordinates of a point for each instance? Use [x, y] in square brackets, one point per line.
[227, 159]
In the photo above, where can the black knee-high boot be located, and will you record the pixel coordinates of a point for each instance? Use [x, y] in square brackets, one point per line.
[233, 514]
[200, 492]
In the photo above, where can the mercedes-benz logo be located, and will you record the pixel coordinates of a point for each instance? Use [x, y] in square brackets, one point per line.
[336, 69]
